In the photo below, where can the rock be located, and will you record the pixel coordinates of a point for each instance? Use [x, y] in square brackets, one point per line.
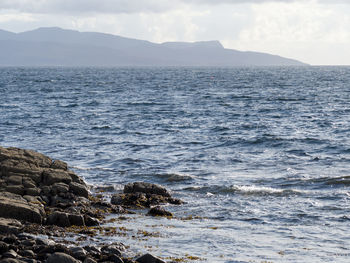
[29, 183]
[147, 188]
[76, 220]
[51, 176]
[9, 226]
[89, 260]
[57, 164]
[11, 239]
[65, 219]
[59, 257]
[29, 260]
[112, 250]
[142, 195]
[117, 199]
[115, 259]
[57, 188]
[35, 191]
[16, 207]
[28, 243]
[18, 167]
[15, 189]
[159, 211]
[142, 200]
[148, 258]
[15, 179]
[79, 189]
[78, 253]
[3, 247]
[58, 219]
[10, 254]
[45, 242]
[27, 253]
[27, 156]
[90, 221]
[10, 260]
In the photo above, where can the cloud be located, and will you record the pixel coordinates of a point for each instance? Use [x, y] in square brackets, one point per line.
[122, 6]
[87, 6]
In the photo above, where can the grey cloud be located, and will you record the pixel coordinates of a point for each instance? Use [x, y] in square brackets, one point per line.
[119, 6]
[87, 6]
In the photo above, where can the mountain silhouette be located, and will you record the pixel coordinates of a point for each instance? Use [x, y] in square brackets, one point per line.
[60, 47]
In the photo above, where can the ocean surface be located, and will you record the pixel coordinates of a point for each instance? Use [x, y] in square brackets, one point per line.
[260, 155]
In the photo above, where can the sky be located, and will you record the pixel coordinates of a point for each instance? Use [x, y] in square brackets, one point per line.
[313, 31]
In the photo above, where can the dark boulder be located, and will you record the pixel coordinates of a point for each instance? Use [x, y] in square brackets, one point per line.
[61, 258]
[147, 188]
[148, 258]
[159, 211]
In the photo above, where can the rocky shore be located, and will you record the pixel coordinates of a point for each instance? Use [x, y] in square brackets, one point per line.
[42, 202]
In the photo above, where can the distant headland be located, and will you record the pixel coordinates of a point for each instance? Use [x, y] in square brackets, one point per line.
[60, 47]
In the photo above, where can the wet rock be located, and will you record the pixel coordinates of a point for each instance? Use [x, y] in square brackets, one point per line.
[27, 253]
[45, 242]
[89, 260]
[58, 188]
[29, 260]
[10, 239]
[58, 219]
[115, 259]
[9, 226]
[142, 200]
[3, 247]
[76, 220]
[79, 189]
[28, 243]
[10, 260]
[159, 211]
[78, 253]
[10, 254]
[16, 207]
[111, 250]
[90, 221]
[93, 251]
[148, 258]
[141, 194]
[61, 258]
[147, 188]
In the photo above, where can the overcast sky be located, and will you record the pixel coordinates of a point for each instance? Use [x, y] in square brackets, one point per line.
[313, 31]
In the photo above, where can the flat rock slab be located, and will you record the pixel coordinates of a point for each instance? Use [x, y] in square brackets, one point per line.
[16, 207]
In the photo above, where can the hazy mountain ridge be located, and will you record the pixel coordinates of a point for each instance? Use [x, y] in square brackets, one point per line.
[60, 47]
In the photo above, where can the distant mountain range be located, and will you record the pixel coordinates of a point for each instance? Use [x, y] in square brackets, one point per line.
[60, 47]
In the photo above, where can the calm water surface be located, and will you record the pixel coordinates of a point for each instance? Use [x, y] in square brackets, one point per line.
[260, 155]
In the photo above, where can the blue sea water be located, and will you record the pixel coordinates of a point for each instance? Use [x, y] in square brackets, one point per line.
[260, 155]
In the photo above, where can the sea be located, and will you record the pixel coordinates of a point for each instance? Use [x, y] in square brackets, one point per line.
[260, 155]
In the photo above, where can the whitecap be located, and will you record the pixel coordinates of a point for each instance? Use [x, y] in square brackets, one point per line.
[262, 190]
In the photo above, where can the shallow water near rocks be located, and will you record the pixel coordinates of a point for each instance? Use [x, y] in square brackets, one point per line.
[260, 155]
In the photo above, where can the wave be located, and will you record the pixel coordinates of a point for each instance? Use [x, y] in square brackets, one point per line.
[263, 190]
[170, 177]
[247, 190]
[175, 177]
[92, 168]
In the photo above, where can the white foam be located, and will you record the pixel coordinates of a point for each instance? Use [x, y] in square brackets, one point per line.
[253, 189]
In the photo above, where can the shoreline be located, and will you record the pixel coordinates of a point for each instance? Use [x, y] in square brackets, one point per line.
[47, 212]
